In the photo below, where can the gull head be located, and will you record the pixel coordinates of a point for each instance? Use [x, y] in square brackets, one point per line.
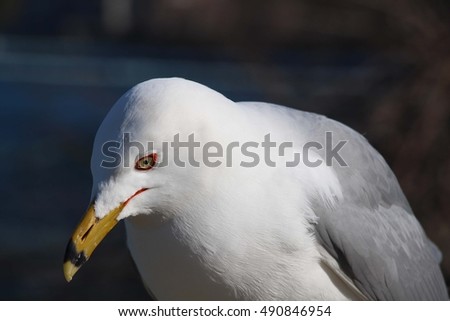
[136, 165]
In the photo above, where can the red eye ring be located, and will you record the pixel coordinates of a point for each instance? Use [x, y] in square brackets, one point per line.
[146, 163]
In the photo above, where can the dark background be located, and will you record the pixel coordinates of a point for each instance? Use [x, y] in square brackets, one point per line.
[380, 66]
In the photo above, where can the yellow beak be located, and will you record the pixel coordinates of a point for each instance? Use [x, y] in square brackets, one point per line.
[86, 237]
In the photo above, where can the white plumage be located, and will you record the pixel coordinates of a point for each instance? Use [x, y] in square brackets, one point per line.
[262, 232]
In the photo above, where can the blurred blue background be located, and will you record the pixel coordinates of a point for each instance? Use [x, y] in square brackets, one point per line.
[381, 67]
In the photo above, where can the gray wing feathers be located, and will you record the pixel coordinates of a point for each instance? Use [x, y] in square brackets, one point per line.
[372, 232]
[384, 252]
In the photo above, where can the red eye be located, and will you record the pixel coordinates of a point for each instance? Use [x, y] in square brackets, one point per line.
[147, 162]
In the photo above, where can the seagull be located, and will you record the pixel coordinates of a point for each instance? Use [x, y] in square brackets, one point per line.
[227, 200]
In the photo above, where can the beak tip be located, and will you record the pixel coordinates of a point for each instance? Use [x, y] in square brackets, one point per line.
[69, 271]
[73, 260]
